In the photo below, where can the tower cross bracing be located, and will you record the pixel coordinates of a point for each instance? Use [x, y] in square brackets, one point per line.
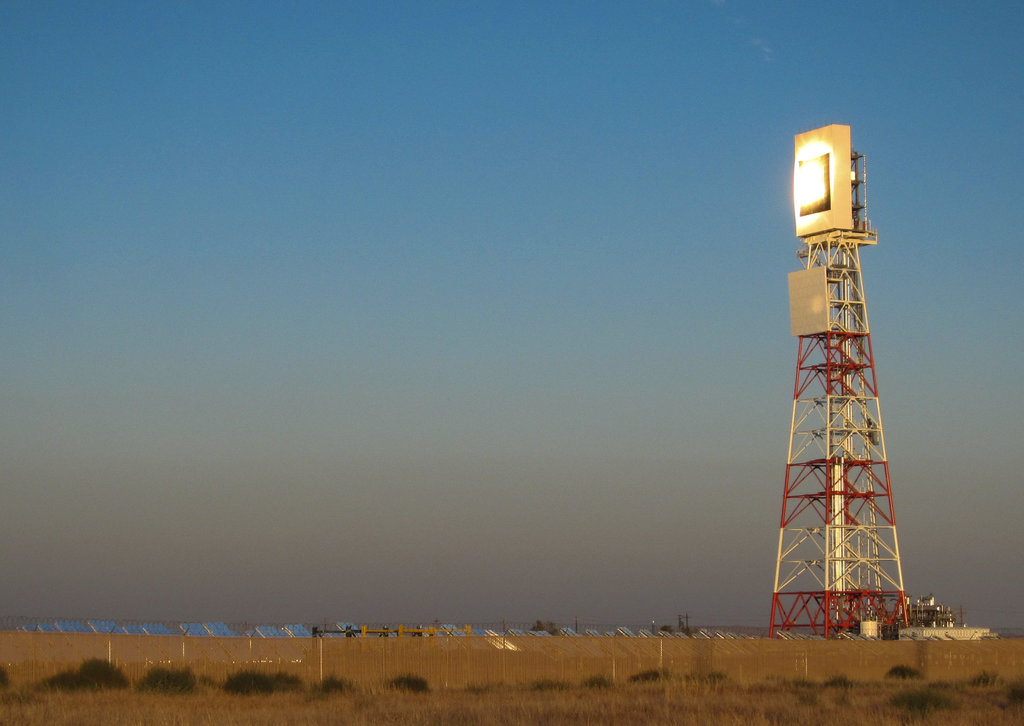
[838, 567]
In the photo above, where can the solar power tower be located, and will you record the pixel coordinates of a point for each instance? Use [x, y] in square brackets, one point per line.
[838, 569]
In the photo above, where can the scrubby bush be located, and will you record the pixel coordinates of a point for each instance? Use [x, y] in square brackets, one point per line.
[99, 674]
[409, 682]
[92, 675]
[286, 682]
[597, 682]
[1016, 693]
[839, 682]
[649, 676]
[168, 680]
[332, 684]
[903, 672]
[63, 681]
[548, 684]
[541, 626]
[985, 678]
[246, 682]
[923, 702]
[803, 683]
[713, 678]
[4, 681]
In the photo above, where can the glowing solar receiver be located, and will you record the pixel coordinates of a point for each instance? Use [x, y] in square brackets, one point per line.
[822, 192]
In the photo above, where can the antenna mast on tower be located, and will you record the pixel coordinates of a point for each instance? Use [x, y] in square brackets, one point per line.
[838, 568]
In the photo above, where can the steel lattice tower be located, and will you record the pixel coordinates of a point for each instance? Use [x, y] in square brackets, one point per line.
[838, 567]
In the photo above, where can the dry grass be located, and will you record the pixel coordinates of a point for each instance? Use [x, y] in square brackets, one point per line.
[673, 701]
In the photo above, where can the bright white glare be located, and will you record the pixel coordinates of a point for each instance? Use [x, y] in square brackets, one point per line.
[812, 150]
[811, 191]
[811, 184]
[812, 180]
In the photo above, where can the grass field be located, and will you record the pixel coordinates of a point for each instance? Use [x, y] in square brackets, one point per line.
[666, 699]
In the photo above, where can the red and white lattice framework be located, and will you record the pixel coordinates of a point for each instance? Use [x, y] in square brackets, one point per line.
[838, 563]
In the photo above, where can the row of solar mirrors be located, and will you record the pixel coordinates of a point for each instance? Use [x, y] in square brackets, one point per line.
[194, 629]
[221, 630]
[340, 629]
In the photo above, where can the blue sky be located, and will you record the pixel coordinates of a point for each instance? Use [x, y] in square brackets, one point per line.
[477, 310]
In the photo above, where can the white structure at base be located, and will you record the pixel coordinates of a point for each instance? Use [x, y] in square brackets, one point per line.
[954, 633]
